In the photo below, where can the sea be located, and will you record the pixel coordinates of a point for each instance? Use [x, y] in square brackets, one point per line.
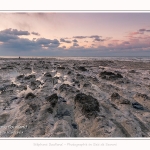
[120, 58]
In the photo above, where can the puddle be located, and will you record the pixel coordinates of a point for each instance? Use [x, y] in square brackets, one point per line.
[9, 75]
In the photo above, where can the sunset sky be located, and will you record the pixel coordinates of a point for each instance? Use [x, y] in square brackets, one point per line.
[74, 34]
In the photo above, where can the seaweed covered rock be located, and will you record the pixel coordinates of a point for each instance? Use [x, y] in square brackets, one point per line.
[27, 68]
[69, 90]
[53, 99]
[116, 98]
[34, 84]
[20, 77]
[82, 68]
[110, 75]
[64, 87]
[89, 105]
[29, 77]
[49, 110]
[30, 96]
[47, 74]
[143, 96]
[60, 67]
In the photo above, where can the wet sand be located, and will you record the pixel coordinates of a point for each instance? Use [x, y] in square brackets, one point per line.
[74, 98]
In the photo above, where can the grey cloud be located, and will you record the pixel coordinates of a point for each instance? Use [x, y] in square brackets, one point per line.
[142, 30]
[92, 36]
[35, 33]
[15, 32]
[63, 46]
[75, 44]
[95, 36]
[44, 41]
[98, 39]
[110, 45]
[126, 42]
[20, 44]
[65, 41]
[7, 37]
[75, 40]
[11, 41]
[80, 37]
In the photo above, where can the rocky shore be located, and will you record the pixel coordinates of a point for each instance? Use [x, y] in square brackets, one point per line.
[74, 98]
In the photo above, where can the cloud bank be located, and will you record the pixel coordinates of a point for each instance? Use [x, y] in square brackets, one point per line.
[16, 42]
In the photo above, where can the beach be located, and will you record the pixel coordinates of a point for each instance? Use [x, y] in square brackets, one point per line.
[74, 97]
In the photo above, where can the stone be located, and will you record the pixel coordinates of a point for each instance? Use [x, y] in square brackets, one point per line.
[89, 105]
[53, 99]
[137, 105]
[30, 96]
[110, 75]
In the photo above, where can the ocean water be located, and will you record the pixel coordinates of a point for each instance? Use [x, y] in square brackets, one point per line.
[145, 59]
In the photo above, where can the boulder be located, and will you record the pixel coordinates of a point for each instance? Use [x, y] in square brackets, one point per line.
[110, 75]
[89, 105]
[30, 96]
[53, 99]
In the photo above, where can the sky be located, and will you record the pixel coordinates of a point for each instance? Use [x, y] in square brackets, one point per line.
[74, 34]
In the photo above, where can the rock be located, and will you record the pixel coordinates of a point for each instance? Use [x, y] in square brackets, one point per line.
[74, 125]
[20, 77]
[89, 105]
[30, 96]
[3, 119]
[66, 113]
[47, 74]
[60, 67]
[107, 73]
[64, 87]
[14, 98]
[80, 76]
[22, 87]
[115, 96]
[3, 68]
[29, 77]
[137, 105]
[82, 68]
[144, 96]
[34, 107]
[61, 129]
[12, 85]
[110, 75]
[87, 85]
[2, 89]
[49, 110]
[124, 101]
[9, 67]
[35, 84]
[69, 72]
[53, 99]
[27, 68]
[132, 71]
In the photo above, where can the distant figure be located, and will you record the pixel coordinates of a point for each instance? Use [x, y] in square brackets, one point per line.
[19, 57]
